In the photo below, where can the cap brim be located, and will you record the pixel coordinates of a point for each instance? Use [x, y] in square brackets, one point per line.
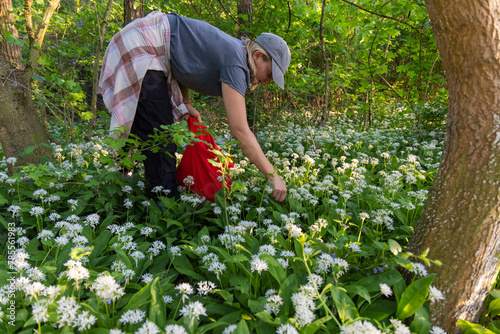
[278, 76]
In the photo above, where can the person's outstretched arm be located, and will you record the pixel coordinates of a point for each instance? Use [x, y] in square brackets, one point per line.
[234, 104]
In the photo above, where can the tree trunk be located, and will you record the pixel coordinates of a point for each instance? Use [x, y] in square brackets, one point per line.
[20, 126]
[245, 17]
[324, 114]
[461, 219]
[97, 61]
[131, 13]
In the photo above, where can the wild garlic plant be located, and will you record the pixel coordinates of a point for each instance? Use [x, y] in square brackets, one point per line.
[86, 250]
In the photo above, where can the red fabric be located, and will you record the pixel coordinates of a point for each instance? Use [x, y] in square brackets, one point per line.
[195, 163]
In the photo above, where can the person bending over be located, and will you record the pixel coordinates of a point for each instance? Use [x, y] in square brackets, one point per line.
[150, 65]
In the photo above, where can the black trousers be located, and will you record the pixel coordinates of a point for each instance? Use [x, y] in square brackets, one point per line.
[153, 110]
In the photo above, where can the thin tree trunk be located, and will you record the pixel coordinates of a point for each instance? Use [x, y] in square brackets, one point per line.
[131, 13]
[324, 115]
[97, 62]
[245, 17]
[461, 219]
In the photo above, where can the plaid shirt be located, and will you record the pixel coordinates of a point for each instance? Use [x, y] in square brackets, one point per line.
[142, 45]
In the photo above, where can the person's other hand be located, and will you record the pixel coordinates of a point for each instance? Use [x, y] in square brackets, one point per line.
[192, 113]
[279, 191]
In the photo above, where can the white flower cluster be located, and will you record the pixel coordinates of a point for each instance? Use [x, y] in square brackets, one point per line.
[106, 287]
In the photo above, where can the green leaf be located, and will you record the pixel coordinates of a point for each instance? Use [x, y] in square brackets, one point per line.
[257, 305]
[379, 310]
[359, 290]
[495, 294]
[267, 318]
[421, 323]
[27, 151]
[87, 115]
[182, 265]
[275, 268]
[398, 288]
[371, 283]
[345, 306]
[3, 201]
[414, 297]
[11, 39]
[288, 287]
[121, 254]
[242, 328]
[470, 328]
[225, 321]
[100, 243]
[494, 326]
[394, 247]
[494, 308]
[240, 283]
[157, 313]
[140, 298]
[315, 325]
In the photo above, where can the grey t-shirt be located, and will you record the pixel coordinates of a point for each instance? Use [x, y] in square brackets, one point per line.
[203, 56]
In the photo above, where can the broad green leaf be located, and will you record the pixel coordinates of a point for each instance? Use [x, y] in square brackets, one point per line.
[398, 288]
[157, 312]
[182, 265]
[345, 306]
[470, 328]
[494, 308]
[379, 310]
[315, 325]
[494, 326]
[228, 319]
[414, 297]
[394, 247]
[275, 268]
[257, 305]
[3, 201]
[27, 151]
[228, 297]
[223, 309]
[371, 283]
[242, 328]
[495, 294]
[288, 287]
[421, 323]
[236, 258]
[240, 283]
[140, 298]
[100, 243]
[121, 254]
[359, 290]
[267, 318]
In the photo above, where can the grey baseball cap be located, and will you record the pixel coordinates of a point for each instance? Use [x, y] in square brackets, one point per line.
[277, 48]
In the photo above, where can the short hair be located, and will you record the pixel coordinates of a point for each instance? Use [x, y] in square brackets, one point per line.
[252, 48]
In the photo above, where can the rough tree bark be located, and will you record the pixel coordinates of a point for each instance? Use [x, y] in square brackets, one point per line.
[130, 12]
[245, 17]
[20, 126]
[461, 219]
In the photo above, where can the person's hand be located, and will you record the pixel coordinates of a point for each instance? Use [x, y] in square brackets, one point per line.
[279, 191]
[192, 113]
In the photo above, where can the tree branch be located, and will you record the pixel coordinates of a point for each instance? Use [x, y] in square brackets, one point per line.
[386, 17]
[229, 13]
[28, 17]
[47, 15]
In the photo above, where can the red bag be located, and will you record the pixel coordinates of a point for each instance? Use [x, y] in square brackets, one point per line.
[207, 177]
